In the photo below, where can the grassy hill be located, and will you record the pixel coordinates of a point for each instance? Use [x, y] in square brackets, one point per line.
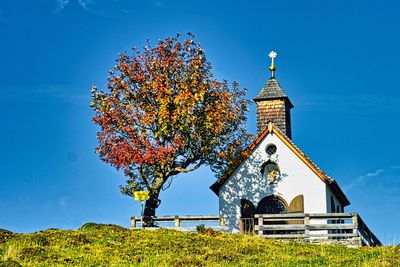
[111, 245]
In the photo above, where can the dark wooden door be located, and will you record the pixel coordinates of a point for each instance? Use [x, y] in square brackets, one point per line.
[247, 211]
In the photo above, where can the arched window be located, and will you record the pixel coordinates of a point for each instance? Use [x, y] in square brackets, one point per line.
[271, 205]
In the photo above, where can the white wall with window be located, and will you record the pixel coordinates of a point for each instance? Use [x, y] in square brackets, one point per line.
[272, 169]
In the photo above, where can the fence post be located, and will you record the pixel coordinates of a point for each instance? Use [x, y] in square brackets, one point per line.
[222, 221]
[355, 223]
[133, 222]
[306, 224]
[177, 222]
[260, 224]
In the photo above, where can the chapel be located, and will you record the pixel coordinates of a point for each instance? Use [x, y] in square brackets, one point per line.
[276, 177]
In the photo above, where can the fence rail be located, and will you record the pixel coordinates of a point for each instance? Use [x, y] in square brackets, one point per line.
[178, 221]
[311, 226]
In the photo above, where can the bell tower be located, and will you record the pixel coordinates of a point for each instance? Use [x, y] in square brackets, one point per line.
[273, 104]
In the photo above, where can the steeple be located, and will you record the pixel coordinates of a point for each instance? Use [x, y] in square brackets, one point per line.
[273, 104]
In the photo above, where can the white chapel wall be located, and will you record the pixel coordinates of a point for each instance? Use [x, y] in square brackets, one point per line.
[247, 182]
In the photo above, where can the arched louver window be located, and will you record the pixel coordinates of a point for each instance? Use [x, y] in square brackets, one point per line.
[272, 205]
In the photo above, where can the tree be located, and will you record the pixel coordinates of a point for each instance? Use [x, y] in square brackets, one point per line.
[163, 113]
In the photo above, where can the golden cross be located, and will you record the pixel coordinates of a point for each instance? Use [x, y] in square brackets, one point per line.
[272, 68]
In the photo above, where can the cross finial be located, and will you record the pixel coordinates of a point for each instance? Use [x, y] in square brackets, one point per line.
[272, 68]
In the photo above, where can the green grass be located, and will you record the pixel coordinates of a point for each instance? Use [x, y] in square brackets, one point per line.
[111, 245]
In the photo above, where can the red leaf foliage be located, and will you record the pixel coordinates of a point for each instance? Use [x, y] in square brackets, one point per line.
[162, 112]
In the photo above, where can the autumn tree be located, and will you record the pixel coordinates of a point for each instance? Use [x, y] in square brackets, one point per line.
[163, 113]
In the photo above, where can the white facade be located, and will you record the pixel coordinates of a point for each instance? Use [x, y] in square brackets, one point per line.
[248, 182]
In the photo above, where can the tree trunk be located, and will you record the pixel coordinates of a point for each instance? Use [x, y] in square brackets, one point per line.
[150, 208]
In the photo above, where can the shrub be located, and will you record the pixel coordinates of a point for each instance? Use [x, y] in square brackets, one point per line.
[5, 235]
[9, 263]
[201, 229]
[90, 226]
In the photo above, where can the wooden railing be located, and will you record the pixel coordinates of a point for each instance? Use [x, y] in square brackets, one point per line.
[313, 226]
[366, 234]
[180, 222]
[347, 228]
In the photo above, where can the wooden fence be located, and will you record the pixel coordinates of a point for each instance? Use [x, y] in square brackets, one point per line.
[345, 227]
[181, 222]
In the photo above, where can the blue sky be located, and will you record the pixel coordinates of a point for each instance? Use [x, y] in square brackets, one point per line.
[337, 61]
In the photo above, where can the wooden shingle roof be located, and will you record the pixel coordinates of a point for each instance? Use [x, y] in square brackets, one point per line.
[271, 90]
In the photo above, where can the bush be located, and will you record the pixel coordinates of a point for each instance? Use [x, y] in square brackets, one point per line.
[5, 235]
[9, 263]
[28, 253]
[39, 240]
[201, 229]
[90, 226]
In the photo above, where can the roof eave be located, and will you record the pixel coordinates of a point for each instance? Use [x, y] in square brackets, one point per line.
[334, 186]
[258, 99]
[215, 187]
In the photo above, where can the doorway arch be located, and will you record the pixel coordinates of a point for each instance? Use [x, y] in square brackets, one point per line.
[272, 204]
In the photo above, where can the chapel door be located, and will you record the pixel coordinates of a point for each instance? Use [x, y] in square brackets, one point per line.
[247, 211]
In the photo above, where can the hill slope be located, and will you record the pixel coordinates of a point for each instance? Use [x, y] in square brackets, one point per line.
[111, 245]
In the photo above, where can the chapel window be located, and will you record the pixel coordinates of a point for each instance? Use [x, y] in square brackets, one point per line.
[271, 149]
[271, 205]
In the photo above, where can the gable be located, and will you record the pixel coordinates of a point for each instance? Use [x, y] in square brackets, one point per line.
[262, 139]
